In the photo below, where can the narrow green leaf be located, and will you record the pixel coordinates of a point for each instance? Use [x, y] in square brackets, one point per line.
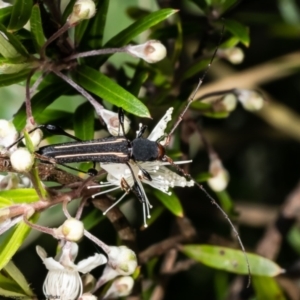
[80, 29]
[227, 4]
[6, 48]
[20, 195]
[226, 201]
[5, 13]
[195, 68]
[203, 177]
[139, 77]
[125, 36]
[28, 142]
[238, 30]
[8, 284]
[14, 240]
[104, 87]
[267, 288]
[20, 14]
[216, 114]
[92, 219]
[84, 121]
[40, 101]
[232, 260]
[68, 10]
[171, 202]
[8, 79]
[18, 277]
[4, 202]
[13, 294]
[37, 32]
[14, 41]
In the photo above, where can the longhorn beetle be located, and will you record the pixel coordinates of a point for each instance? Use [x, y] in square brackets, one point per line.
[120, 150]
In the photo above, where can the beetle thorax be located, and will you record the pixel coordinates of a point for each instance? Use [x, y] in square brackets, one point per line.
[144, 150]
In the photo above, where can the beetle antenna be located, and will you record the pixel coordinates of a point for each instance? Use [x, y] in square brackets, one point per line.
[214, 202]
[192, 97]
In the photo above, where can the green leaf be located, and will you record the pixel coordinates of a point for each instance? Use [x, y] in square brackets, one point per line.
[195, 68]
[18, 277]
[14, 241]
[226, 201]
[20, 195]
[20, 14]
[125, 36]
[216, 114]
[267, 288]
[92, 219]
[68, 10]
[4, 202]
[139, 77]
[227, 4]
[8, 79]
[12, 294]
[232, 260]
[28, 142]
[14, 41]
[6, 48]
[5, 13]
[171, 202]
[13, 65]
[36, 30]
[40, 101]
[238, 30]
[97, 25]
[104, 87]
[80, 29]
[84, 119]
[203, 177]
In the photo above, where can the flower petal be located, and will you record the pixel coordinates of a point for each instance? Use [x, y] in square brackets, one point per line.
[159, 129]
[88, 264]
[52, 265]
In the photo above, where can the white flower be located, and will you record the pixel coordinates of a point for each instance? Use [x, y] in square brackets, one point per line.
[82, 10]
[22, 160]
[152, 51]
[235, 55]
[120, 176]
[111, 120]
[250, 99]
[14, 181]
[63, 280]
[220, 177]
[121, 287]
[72, 229]
[8, 133]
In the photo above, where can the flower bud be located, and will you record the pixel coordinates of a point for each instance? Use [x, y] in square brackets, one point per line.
[22, 160]
[82, 10]
[152, 51]
[121, 287]
[250, 99]
[72, 229]
[220, 177]
[234, 55]
[8, 133]
[35, 136]
[229, 102]
[111, 120]
[122, 259]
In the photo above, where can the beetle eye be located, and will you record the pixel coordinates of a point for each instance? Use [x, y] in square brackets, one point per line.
[161, 152]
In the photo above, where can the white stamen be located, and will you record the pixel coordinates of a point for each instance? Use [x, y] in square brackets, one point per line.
[113, 205]
[104, 192]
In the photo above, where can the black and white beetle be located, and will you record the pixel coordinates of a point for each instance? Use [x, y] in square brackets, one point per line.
[123, 151]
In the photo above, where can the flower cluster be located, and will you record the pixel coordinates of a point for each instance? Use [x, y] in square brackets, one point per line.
[162, 178]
